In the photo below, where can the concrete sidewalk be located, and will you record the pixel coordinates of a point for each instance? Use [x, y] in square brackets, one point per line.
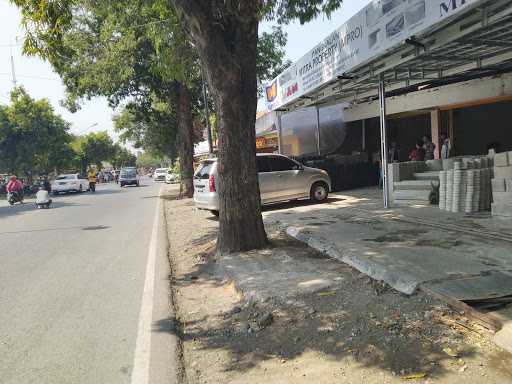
[405, 247]
[466, 258]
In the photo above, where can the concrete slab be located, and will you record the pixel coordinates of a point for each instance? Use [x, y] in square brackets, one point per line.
[503, 172]
[412, 194]
[502, 197]
[432, 175]
[501, 159]
[489, 285]
[421, 185]
[498, 185]
[280, 273]
[395, 246]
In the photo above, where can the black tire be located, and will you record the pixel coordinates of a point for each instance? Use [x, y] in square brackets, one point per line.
[215, 213]
[319, 192]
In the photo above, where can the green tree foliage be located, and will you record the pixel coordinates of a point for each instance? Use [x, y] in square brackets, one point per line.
[150, 160]
[93, 149]
[271, 56]
[122, 157]
[148, 128]
[33, 139]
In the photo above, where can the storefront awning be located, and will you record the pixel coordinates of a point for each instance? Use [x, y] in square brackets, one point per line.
[475, 43]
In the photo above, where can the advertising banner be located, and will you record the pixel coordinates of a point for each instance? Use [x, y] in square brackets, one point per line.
[381, 25]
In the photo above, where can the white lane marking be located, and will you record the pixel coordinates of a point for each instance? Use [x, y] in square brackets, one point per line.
[142, 357]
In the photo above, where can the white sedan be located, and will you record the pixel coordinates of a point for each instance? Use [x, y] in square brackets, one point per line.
[70, 183]
[159, 174]
[170, 177]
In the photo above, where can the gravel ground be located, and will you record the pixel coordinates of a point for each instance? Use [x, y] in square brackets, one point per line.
[360, 331]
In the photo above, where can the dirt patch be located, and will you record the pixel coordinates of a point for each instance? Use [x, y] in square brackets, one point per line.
[357, 331]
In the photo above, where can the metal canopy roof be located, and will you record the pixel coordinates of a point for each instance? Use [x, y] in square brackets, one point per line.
[476, 44]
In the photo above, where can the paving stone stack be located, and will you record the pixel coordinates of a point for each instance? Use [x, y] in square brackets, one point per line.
[466, 187]
[502, 185]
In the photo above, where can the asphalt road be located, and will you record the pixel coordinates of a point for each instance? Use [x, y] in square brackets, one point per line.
[78, 299]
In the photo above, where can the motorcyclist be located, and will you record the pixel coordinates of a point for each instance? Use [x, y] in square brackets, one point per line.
[15, 186]
[91, 176]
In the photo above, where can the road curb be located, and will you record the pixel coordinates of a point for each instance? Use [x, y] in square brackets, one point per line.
[175, 327]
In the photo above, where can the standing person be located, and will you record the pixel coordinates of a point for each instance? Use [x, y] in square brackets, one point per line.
[394, 153]
[429, 147]
[446, 147]
[417, 153]
[91, 176]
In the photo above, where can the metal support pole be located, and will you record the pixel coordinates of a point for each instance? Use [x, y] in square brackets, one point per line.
[383, 142]
[318, 131]
[207, 116]
[279, 133]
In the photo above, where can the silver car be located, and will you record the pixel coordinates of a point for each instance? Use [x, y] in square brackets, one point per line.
[280, 178]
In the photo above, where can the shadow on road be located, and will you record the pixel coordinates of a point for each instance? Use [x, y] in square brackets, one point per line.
[7, 211]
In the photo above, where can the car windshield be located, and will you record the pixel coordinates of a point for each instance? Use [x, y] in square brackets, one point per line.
[66, 177]
[203, 172]
[128, 173]
[162, 170]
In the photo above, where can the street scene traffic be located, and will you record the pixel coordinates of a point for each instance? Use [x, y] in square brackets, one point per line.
[214, 192]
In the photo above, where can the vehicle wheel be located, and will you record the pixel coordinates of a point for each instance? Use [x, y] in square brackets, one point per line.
[319, 192]
[215, 213]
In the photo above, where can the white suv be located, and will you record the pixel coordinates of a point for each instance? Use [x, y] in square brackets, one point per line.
[280, 178]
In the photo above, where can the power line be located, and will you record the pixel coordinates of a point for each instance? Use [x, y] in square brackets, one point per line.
[32, 77]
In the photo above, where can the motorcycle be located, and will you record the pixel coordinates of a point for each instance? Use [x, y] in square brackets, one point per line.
[14, 197]
[43, 199]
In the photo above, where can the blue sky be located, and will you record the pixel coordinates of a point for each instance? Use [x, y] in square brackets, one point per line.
[39, 79]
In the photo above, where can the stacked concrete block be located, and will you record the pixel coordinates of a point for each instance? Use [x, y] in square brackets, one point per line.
[502, 185]
[442, 190]
[466, 187]
[470, 190]
[449, 190]
[459, 191]
[476, 191]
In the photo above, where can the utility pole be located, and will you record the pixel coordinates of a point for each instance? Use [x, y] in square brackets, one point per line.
[207, 115]
[14, 82]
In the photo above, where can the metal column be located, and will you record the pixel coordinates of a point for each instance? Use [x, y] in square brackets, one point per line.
[279, 133]
[383, 142]
[318, 147]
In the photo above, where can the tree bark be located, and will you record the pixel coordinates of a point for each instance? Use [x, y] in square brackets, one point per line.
[226, 36]
[185, 140]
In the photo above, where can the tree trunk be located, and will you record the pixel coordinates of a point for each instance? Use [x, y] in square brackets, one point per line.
[185, 141]
[227, 46]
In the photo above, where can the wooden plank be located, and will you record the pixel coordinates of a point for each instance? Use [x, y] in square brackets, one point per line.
[486, 320]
